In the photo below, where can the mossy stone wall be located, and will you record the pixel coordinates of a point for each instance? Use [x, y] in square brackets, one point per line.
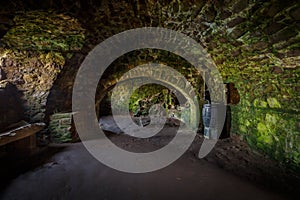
[34, 53]
[254, 43]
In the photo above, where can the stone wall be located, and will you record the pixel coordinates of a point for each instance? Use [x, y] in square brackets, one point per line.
[33, 74]
[11, 108]
[255, 45]
[60, 127]
[34, 53]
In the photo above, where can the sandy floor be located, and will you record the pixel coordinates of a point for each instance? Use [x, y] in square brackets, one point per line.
[68, 171]
[74, 174]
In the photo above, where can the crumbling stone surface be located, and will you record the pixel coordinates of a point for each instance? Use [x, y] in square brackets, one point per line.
[33, 74]
[255, 45]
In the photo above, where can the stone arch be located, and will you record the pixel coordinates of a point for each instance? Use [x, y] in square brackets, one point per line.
[260, 56]
[173, 80]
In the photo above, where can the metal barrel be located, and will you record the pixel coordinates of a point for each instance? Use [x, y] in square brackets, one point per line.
[210, 121]
[206, 114]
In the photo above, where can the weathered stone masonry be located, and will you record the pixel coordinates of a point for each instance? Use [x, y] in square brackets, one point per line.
[255, 45]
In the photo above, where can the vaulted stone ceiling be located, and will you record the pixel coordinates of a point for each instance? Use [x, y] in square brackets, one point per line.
[255, 45]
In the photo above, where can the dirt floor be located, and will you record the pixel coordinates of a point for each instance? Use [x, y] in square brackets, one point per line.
[68, 171]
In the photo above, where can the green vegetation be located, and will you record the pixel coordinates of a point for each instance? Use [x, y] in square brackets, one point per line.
[254, 46]
[259, 57]
[60, 126]
[45, 31]
[35, 51]
[149, 95]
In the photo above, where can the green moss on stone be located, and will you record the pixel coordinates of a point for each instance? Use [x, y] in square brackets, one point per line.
[47, 31]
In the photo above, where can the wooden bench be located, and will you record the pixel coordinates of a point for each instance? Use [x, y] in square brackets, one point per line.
[22, 134]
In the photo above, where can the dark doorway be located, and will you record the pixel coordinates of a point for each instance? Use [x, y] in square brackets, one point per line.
[232, 98]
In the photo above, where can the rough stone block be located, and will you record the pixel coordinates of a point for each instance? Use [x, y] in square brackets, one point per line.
[10, 106]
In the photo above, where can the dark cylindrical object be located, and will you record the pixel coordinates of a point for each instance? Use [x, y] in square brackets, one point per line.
[210, 121]
[206, 114]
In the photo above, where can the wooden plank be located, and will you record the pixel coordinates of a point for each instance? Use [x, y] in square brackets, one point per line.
[12, 132]
[21, 134]
[15, 125]
[25, 143]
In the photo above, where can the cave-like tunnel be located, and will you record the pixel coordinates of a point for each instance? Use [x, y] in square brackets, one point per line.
[253, 45]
